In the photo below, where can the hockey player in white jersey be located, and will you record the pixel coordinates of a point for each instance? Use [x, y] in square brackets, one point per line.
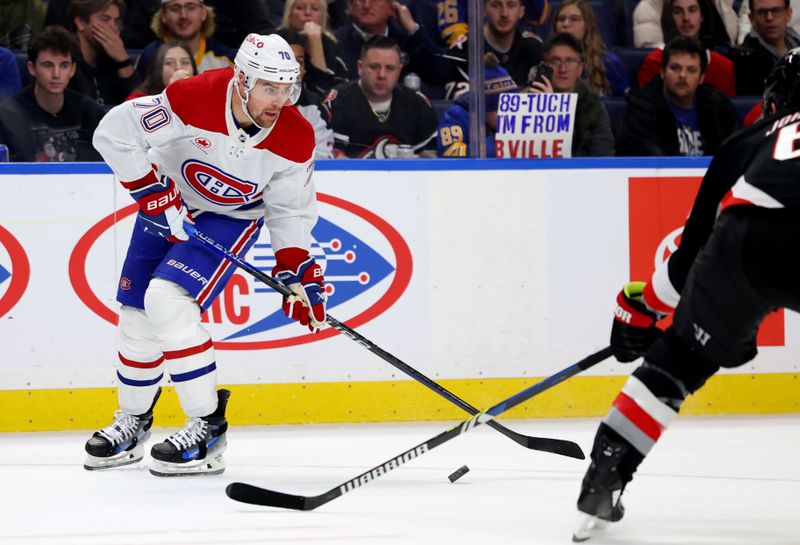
[228, 151]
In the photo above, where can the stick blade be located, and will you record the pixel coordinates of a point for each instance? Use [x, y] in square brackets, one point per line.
[556, 446]
[247, 493]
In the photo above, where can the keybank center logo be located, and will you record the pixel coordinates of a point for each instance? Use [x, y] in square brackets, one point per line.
[366, 261]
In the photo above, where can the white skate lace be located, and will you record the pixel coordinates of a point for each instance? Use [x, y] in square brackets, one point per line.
[191, 434]
[123, 428]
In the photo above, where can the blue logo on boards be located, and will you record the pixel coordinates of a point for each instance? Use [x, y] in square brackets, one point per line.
[351, 268]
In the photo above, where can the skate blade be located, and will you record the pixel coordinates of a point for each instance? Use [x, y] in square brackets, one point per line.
[588, 527]
[125, 458]
[210, 465]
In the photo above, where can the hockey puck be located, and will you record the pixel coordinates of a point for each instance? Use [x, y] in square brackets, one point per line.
[458, 473]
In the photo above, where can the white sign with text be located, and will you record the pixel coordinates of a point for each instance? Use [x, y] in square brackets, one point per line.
[535, 125]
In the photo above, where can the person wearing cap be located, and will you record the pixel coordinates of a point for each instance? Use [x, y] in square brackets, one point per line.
[190, 21]
[591, 133]
[226, 152]
[452, 138]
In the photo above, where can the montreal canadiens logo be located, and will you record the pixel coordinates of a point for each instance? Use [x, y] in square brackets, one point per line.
[366, 262]
[217, 186]
[14, 271]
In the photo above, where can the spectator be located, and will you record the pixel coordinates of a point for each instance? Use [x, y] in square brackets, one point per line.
[374, 117]
[691, 18]
[453, 135]
[309, 102]
[190, 21]
[136, 32]
[744, 18]
[46, 121]
[173, 61]
[10, 82]
[768, 40]
[325, 67]
[104, 69]
[518, 51]
[591, 134]
[604, 72]
[675, 114]
[647, 23]
[393, 19]
[453, 23]
[19, 20]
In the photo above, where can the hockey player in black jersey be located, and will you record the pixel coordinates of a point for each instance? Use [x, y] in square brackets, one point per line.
[738, 261]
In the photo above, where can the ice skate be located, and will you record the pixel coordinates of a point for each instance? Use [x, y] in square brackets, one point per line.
[122, 442]
[197, 448]
[600, 500]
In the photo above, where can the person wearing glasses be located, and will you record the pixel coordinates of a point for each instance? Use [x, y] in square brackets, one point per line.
[190, 21]
[676, 113]
[226, 151]
[591, 134]
[769, 39]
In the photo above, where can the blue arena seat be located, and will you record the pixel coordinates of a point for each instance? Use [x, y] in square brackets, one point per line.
[632, 58]
[616, 107]
[743, 105]
[441, 106]
[22, 63]
[605, 22]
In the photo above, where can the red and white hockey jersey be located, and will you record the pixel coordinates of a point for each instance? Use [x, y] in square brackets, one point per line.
[189, 134]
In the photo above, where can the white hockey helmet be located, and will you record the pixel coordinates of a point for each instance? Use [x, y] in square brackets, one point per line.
[269, 58]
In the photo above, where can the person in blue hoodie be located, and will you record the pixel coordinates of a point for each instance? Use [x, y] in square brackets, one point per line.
[452, 138]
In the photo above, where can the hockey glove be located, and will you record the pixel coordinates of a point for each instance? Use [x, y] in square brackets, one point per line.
[298, 272]
[162, 210]
[634, 329]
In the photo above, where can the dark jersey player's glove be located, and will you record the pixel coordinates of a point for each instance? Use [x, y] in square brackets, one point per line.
[298, 271]
[634, 329]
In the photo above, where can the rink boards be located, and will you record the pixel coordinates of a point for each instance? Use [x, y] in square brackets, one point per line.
[485, 275]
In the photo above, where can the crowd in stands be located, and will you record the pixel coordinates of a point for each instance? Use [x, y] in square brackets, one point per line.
[390, 78]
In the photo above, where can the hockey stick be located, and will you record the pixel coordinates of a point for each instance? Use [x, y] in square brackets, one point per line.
[555, 446]
[248, 493]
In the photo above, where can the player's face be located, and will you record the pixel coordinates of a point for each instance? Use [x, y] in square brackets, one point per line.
[184, 18]
[266, 100]
[567, 67]
[52, 71]
[502, 16]
[687, 17]
[570, 19]
[682, 76]
[175, 59]
[770, 19]
[378, 72]
[303, 11]
[109, 18]
[370, 12]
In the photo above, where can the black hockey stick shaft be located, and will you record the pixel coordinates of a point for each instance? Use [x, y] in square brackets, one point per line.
[545, 444]
[248, 493]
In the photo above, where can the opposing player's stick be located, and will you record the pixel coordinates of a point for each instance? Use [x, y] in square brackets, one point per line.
[248, 493]
[545, 444]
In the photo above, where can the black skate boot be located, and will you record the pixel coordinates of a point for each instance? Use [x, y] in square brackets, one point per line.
[122, 442]
[197, 448]
[613, 462]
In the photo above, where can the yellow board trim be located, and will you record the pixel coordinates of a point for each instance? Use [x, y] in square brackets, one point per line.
[334, 402]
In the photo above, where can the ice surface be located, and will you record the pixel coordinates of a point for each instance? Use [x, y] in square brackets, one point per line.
[710, 480]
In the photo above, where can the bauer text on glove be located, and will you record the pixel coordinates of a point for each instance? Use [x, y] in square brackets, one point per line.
[298, 271]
